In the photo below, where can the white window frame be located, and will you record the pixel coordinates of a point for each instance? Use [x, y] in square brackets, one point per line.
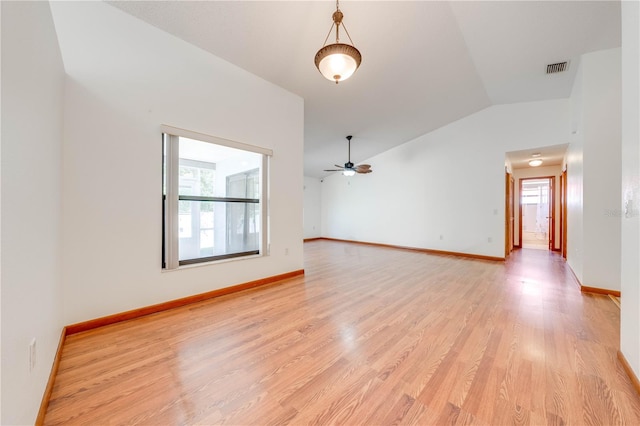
[170, 203]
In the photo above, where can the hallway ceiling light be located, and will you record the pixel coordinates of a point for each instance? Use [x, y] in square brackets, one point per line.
[338, 61]
[535, 163]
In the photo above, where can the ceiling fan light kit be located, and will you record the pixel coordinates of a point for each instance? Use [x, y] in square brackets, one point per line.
[349, 168]
[338, 61]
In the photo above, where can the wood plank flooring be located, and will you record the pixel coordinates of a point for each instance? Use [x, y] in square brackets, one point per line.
[369, 336]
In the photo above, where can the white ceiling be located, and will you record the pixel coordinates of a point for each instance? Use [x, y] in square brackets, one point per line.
[425, 63]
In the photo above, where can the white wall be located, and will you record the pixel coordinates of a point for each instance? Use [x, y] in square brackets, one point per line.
[125, 79]
[312, 207]
[575, 172]
[32, 93]
[602, 164]
[448, 183]
[594, 164]
[630, 227]
[533, 172]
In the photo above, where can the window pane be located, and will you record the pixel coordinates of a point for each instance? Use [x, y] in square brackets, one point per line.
[204, 168]
[237, 225]
[243, 227]
[184, 224]
[206, 240]
[206, 217]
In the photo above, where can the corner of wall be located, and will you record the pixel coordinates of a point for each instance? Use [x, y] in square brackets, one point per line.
[312, 207]
[32, 98]
[630, 200]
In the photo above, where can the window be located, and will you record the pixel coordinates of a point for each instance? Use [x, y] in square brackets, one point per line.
[213, 192]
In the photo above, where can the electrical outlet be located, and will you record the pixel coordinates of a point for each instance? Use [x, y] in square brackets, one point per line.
[490, 240]
[286, 252]
[32, 355]
[442, 237]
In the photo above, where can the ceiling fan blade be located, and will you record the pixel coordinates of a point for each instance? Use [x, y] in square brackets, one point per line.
[363, 167]
[332, 170]
[340, 167]
[364, 171]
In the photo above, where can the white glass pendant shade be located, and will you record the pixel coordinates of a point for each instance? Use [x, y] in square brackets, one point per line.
[338, 61]
[349, 172]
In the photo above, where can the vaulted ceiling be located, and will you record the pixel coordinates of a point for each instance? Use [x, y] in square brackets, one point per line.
[425, 63]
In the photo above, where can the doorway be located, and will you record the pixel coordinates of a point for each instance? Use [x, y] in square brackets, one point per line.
[563, 213]
[536, 213]
[509, 216]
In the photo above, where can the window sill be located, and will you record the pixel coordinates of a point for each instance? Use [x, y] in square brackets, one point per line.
[214, 262]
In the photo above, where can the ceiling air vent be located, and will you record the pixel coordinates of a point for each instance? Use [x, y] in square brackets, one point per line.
[554, 68]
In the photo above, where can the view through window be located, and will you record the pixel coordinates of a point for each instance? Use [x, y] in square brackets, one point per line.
[212, 201]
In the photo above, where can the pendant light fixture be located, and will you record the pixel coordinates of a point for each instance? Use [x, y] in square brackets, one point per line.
[338, 61]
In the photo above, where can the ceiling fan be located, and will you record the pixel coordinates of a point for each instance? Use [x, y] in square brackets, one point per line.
[349, 168]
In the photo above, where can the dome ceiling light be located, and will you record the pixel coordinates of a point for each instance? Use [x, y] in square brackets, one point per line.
[536, 159]
[338, 61]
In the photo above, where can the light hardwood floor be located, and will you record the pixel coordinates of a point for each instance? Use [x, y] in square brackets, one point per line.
[370, 336]
[535, 240]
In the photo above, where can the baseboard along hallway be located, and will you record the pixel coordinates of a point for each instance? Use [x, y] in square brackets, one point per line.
[369, 335]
